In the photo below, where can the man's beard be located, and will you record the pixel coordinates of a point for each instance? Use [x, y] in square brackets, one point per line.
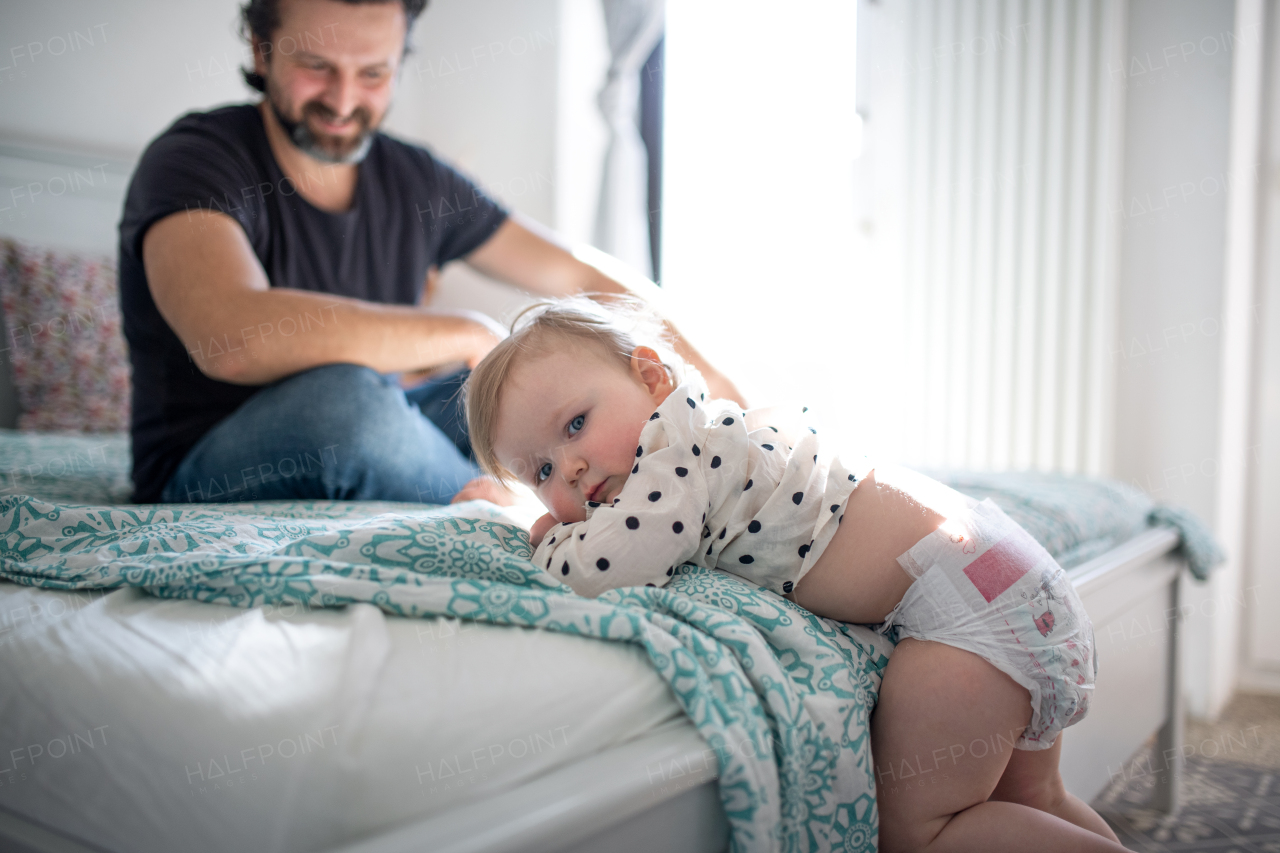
[327, 149]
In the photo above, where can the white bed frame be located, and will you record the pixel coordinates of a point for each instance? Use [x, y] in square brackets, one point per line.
[658, 792]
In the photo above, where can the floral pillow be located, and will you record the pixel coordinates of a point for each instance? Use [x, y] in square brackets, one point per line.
[63, 339]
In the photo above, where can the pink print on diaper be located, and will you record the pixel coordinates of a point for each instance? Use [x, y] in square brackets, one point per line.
[1044, 623]
[1002, 565]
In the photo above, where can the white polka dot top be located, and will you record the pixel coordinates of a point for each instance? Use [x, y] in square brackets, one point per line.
[744, 492]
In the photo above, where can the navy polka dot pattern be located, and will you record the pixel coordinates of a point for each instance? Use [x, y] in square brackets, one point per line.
[736, 492]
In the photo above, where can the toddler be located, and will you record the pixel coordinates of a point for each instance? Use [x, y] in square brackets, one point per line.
[640, 473]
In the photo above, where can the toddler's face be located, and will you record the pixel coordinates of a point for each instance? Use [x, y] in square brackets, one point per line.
[569, 422]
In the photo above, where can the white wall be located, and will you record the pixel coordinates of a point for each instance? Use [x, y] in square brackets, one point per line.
[1261, 593]
[150, 61]
[1166, 351]
[1172, 328]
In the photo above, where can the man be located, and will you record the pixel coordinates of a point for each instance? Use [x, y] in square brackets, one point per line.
[272, 258]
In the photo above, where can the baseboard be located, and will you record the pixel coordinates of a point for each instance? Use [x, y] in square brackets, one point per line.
[1255, 679]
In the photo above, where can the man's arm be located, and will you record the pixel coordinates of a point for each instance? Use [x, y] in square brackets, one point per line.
[524, 254]
[211, 290]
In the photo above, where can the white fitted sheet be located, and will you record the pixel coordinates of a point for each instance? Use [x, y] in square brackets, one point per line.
[145, 724]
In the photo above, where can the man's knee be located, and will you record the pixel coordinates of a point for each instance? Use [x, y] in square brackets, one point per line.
[333, 382]
[381, 444]
[347, 402]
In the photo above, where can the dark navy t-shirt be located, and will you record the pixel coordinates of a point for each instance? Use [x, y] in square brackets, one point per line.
[410, 212]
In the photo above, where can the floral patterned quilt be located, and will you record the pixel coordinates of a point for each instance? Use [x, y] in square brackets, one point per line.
[781, 696]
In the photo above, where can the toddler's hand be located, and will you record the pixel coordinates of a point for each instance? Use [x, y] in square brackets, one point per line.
[540, 528]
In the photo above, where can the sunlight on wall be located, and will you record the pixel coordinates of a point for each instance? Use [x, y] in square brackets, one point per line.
[761, 240]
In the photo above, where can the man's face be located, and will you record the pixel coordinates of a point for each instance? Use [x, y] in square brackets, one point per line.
[330, 72]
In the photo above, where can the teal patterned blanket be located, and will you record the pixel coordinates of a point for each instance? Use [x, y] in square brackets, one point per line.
[747, 666]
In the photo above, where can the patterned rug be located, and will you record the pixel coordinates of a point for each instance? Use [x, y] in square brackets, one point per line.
[1228, 807]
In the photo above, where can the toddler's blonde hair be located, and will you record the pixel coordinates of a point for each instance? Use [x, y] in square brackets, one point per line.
[613, 325]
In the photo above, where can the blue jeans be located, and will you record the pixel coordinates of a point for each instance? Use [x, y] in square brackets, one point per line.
[338, 432]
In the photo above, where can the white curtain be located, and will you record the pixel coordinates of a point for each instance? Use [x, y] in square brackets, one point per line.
[622, 216]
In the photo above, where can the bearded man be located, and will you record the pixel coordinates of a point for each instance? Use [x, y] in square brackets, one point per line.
[272, 265]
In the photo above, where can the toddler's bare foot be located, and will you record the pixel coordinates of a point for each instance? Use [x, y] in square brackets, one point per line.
[485, 489]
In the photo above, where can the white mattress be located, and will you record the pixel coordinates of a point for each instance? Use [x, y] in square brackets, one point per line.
[141, 724]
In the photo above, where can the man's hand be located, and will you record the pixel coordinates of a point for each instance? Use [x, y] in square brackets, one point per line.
[722, 388]
[540, 528]
[485, 489]
[488, 336]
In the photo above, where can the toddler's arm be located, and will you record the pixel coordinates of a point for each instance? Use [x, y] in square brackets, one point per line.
[540, 527]
[654, 525]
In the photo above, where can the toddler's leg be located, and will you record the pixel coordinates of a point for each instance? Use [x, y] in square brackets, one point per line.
[941, 739]
[1032, 779]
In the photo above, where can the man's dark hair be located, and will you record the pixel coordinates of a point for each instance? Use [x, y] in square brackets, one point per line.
[261, 18]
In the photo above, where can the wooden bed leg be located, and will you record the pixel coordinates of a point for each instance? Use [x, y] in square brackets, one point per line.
[1169, 739]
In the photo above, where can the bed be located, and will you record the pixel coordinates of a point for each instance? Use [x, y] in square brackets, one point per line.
[330, 709]
[172, 700]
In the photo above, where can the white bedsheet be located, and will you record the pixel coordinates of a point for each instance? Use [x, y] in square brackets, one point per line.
[143, 724]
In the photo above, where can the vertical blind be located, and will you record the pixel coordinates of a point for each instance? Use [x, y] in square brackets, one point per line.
[1012, 181]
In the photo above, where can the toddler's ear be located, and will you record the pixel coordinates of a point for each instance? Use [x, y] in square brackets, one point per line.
[649, 371]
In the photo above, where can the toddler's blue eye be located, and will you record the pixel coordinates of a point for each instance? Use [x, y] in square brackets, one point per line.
[544, 472]
[576, 424]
